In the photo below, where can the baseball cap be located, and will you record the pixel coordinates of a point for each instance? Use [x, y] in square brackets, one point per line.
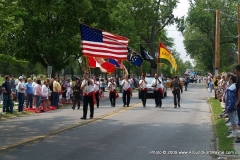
[20, 77]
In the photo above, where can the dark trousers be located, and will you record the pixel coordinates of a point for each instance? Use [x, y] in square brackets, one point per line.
[185, 85]
[6, 103]
[88, 100]
[238, 111]
[29, 100]
[55, 99]
[20, 101]
[126, 98]
[144, 97]
[112, 97]
[176, 97]
[76, 99]
[97, 98]
[158, 98]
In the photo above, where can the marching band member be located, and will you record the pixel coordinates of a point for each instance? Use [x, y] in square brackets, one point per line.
[158, 91]
[143, 89]
[112, 91]
[96, 89]
[126, 91]
[88, 91]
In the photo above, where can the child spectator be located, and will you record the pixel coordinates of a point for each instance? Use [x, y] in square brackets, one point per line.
[11, 103]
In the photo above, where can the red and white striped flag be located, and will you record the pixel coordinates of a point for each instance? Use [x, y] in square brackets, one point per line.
[98, 43]
[104, 66]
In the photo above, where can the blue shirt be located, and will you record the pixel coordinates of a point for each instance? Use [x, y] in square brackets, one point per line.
[29, 88]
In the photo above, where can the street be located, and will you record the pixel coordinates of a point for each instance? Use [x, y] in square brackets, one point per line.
[115, 132]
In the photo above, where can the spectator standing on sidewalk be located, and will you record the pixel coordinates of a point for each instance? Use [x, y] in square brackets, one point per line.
[21, 94]
[6, 93]
[237, 105]
[56, 90]
[29, 92]
[38, 94]
[231, 100]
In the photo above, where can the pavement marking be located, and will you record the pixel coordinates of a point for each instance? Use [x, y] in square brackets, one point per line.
[48, 135]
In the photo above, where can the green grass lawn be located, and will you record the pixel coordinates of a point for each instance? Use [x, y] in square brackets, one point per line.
[224, 143]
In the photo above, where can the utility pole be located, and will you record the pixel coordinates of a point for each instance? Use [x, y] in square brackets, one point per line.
[238, 21]
[217, 43]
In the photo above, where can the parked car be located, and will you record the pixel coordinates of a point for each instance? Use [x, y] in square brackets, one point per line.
[150, 88]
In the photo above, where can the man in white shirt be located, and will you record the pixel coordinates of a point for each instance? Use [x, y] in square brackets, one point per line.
[88, 91]
[143, 89]
[112, 91]
[21, 93]
[126, 91]
[157, 91]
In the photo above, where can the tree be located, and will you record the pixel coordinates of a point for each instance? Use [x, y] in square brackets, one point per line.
[50, 31]
[199, 33]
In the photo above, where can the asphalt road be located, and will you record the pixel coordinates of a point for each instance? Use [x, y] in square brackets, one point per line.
[115, 133]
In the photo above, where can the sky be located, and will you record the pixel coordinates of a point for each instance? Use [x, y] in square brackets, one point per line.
[180, 11]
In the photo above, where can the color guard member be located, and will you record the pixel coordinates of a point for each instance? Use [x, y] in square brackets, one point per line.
[176, 87]
[88, 91]
[158, 91]
[126, 91]
[143, 89]
[112, 91]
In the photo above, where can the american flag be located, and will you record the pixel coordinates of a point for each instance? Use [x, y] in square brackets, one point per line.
[98, 43]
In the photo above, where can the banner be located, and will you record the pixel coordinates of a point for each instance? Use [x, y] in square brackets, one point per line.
[166, 57]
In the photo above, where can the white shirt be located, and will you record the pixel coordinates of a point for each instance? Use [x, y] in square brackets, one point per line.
[143, 85]
[96, 86]
[125, 84]
[45, 90]
[21, 85]
[159, 85]
[87, 88]
[111, 86]
[16, 83]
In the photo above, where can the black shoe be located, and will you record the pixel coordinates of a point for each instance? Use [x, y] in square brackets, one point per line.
[237, 141]
[160, 106]
[91, 117]
[124, 105]
[179, 105]
[156, 106]
[127, 105]
[175, 106]
[238, 138]
[73, 108]
[78, 107]
[83, 118]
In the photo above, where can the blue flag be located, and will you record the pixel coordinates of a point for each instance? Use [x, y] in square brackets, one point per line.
[134, 58]
[114, 62]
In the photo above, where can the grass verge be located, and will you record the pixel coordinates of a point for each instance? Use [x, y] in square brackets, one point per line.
[224, 143]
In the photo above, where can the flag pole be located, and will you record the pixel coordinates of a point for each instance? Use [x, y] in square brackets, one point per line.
[158, 59]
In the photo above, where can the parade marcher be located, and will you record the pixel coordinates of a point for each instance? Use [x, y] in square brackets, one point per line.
[176, 88]
[143, 89]
[76, 93]
[88, 91]
[126, 89]
[112, 91]
[158, 91]
[96, 87]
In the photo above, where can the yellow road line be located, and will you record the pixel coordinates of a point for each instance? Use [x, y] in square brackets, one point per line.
[45, 136]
